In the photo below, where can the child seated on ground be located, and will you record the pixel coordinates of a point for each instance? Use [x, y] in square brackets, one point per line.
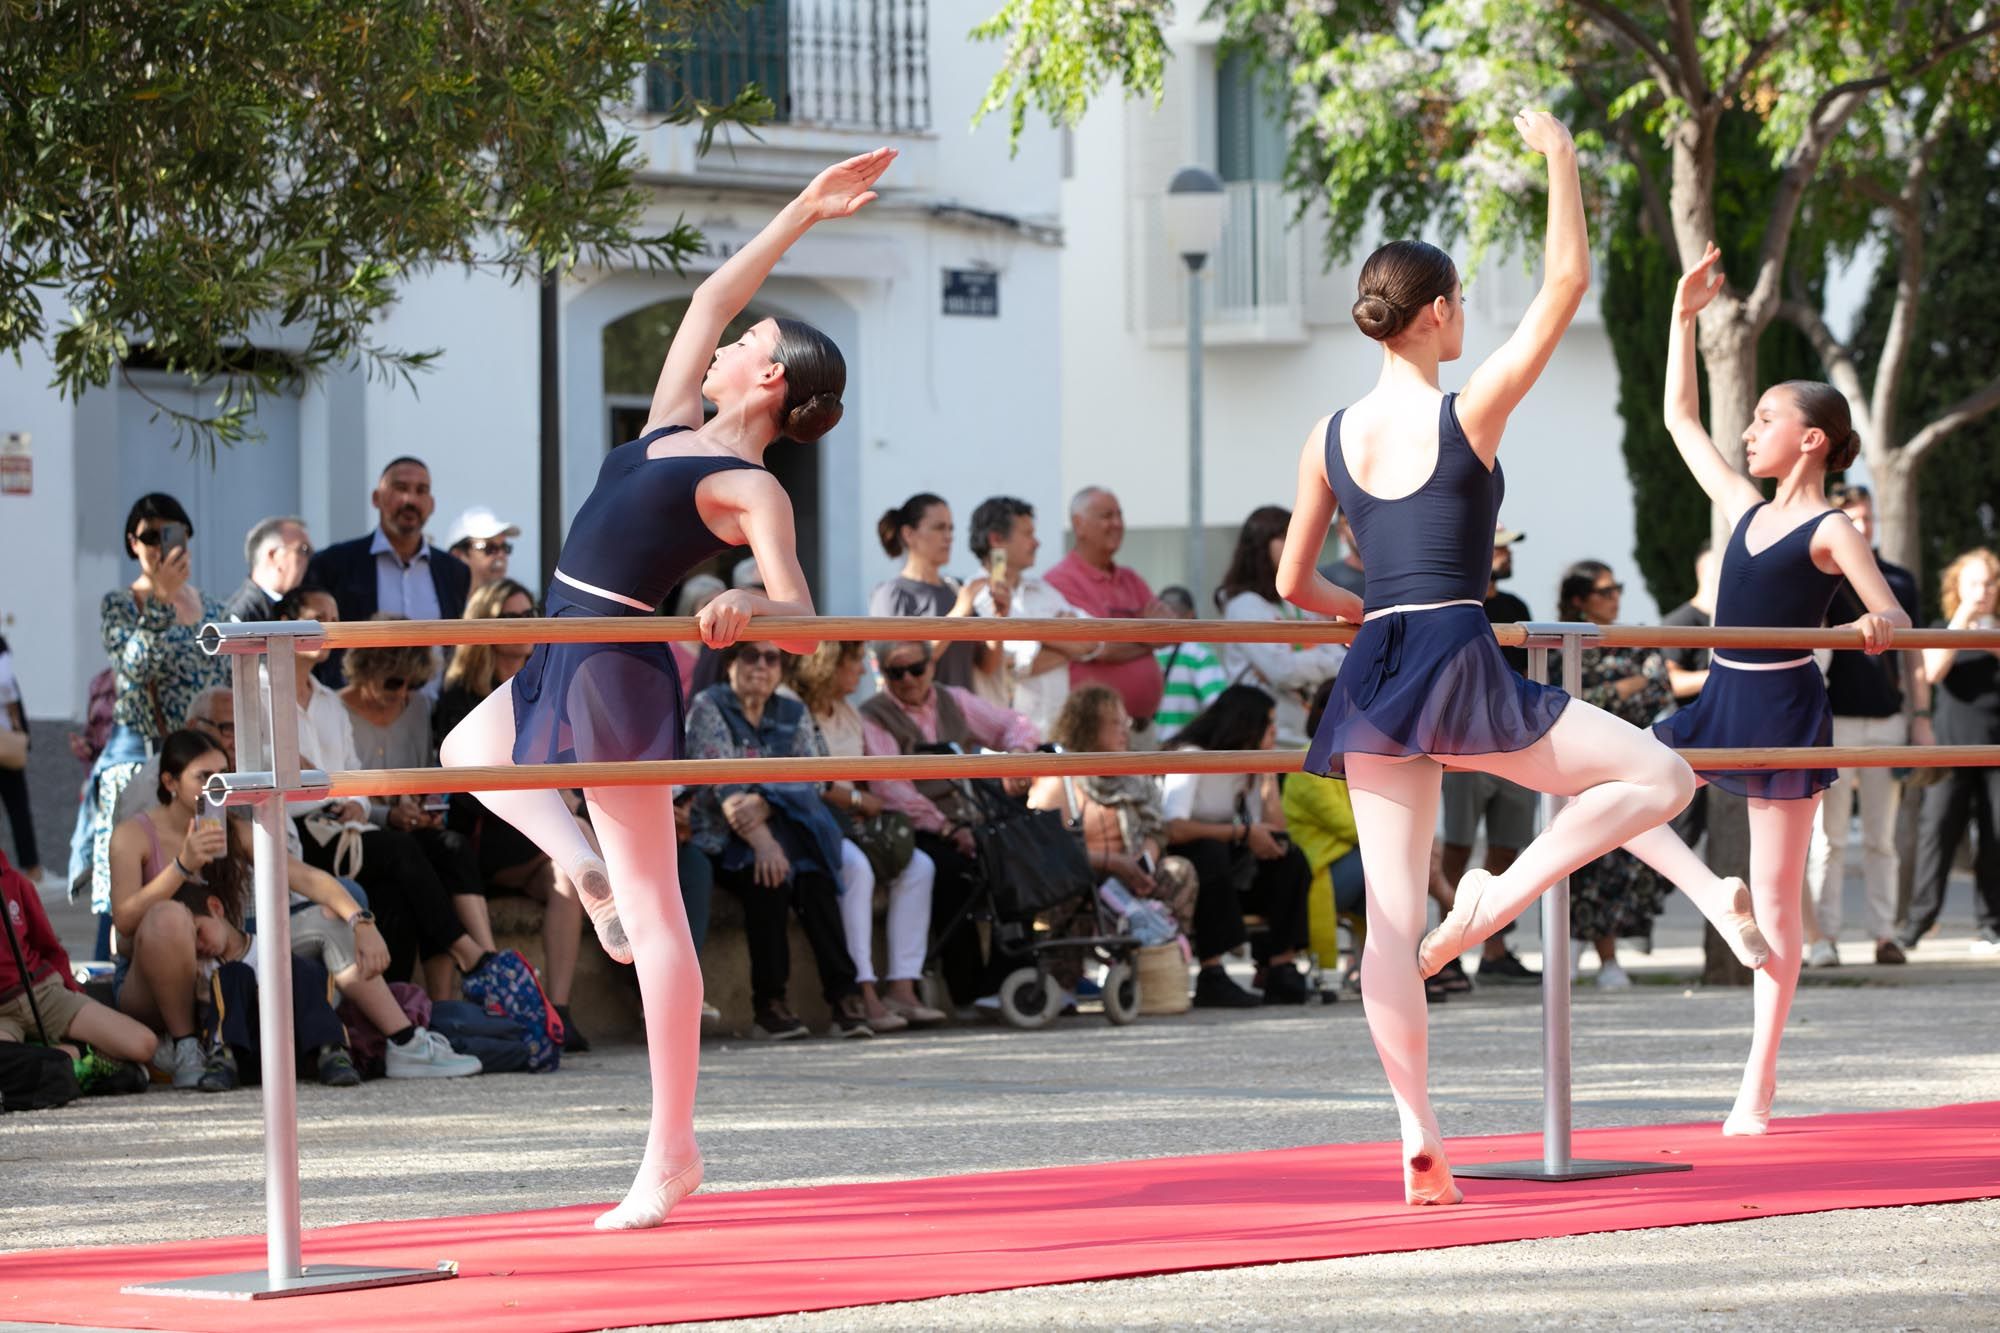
[41, 1002]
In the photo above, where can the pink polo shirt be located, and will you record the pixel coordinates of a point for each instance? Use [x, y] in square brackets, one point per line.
[1118, 592]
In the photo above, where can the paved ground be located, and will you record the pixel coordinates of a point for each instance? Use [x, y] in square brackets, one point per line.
[167, 1165]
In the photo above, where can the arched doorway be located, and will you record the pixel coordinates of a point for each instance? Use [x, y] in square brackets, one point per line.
[633, 347]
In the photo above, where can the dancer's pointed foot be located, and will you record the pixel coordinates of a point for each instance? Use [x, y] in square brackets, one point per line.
[1738, 926]
[1453, 935]
[1427, 1176]
[648, 1205]
[1747, 1121]
[593, 888]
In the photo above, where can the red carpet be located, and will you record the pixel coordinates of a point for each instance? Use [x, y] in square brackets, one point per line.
[777, 1251]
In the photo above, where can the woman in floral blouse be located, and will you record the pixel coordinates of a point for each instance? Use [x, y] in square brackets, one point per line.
[149, 635]
[1617, 894]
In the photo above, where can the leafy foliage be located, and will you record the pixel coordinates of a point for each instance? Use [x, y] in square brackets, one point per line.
[206, 182]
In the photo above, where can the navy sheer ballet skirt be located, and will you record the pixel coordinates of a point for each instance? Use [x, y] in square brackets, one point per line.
[1758, 708]
[596, 702]
[1433, 683]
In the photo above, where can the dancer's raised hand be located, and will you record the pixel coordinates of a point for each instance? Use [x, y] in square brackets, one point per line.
[1544, 133]
[844, 188]
[1699, 284]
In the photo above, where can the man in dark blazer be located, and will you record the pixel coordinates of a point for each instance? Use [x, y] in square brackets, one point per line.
[393, 568]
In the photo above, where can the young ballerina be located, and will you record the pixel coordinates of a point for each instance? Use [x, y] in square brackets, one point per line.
[1416, 473]
[1785, 560]
[680, 493]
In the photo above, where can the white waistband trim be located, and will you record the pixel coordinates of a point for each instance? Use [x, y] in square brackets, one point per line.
[1785, 665]
[1420, 606]
[605, 593]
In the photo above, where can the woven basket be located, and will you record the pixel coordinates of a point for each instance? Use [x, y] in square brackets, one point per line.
[1163, 980]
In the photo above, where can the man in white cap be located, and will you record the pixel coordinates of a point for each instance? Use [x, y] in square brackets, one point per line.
[483, 541]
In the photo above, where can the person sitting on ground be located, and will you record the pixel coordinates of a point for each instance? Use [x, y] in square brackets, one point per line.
[1320, 818]
[506, 861]
[914, 712]
[782, 849]
[879, 837]
[40, 1000]
[1221, 822]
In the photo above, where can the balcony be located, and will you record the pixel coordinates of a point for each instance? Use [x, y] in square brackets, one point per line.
[1256, 289]
[826, 64]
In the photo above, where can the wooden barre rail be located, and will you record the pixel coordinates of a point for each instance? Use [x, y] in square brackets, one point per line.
[693, 772]
[683, 629]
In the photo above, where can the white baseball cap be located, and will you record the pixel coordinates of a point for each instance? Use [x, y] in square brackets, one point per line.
[479, 524]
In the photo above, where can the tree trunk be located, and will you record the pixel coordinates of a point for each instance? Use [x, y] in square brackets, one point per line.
[1729, 355]
[1728, 853]
[1895, 507]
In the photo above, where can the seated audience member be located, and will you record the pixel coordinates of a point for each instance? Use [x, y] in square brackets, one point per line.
[41, 1002]
[405, 895]
[1124, 826]
[782, 853]
[1244, 860]
[506, 861]
[1289, 672]
[1320, 818]
[914, 712]
[879, 844]
[485, 543]
[1191, 675]
[696, 593]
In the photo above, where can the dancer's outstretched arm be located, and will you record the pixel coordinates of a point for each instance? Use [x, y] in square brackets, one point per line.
[1838, 537]
[1725, 486]
[1504, 378]
[840, 191]
[1299, 579]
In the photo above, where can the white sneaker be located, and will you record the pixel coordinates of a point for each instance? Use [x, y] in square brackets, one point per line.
[1610, 976]
[181, 1061]
[427, 1055]
[1823, 954]
[1985, 948]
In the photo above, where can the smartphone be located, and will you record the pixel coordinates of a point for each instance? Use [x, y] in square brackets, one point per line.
[998, 566]
[437, 803]
[173, 537]
[1146, 862]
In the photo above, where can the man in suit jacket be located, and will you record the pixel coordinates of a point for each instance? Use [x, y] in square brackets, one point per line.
[393, 568]
[277, 551]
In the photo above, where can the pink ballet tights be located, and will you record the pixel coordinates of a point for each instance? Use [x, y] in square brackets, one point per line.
[634, 825]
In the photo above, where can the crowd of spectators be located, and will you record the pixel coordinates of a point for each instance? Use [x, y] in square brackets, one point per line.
[396, 890]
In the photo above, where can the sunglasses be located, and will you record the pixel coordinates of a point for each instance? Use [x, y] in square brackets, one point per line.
[397, 684]
[493, 547]
[528, 614]
[913, 671]
[153, 538]
[1608, 590]
[760, 657]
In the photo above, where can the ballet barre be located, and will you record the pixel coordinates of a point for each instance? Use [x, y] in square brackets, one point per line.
[267, 740]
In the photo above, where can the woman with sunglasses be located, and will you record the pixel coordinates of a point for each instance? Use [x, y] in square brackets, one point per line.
[1617, 894]
[507, 862]
[687, 489]
[149, 630]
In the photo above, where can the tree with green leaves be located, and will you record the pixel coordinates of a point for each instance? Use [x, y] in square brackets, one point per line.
[236, 190]
[1400, 111]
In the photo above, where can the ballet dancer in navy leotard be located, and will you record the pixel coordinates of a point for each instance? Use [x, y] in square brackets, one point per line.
[1417, 473]
[1785, 559]
[680, 493]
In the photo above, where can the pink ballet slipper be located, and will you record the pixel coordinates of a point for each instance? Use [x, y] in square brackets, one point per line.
[1745, 1122]
[1739, 930]
[1427, 1176]
[649, 1207]
[1451, 938]
[593, 889]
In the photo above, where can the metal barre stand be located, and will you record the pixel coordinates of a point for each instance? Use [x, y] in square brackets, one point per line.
[267, 731]
[1555, 1163]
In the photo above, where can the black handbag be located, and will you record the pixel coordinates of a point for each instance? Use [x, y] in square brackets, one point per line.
[1032, 862]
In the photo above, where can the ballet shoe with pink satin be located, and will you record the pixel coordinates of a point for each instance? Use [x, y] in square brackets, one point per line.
[1738, 927]
[1427, 1176]
[593, 890]
[649, 1207]
[1451, 938]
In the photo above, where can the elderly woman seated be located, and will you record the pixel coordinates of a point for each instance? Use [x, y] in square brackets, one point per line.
[776, 844]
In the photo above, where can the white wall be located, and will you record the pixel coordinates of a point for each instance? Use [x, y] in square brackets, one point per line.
[38, 608]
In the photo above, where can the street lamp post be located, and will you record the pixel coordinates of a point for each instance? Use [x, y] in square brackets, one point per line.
[1194, 229]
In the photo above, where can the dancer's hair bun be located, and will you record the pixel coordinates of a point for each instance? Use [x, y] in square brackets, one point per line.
[813, 418]
[1375, 317]
[1841, 457]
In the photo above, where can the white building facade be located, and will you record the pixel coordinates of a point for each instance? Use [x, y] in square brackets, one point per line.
[943, 296]
[1280, 348]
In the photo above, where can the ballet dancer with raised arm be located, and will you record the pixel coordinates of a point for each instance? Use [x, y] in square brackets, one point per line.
[1416, 472]
[683, 491]
[1785, 560]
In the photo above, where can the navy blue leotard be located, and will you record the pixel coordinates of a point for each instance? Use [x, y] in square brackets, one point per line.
[637, 535]
[1427, 682]
[1778, 586]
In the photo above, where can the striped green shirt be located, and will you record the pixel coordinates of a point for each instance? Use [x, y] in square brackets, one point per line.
[1194, 677]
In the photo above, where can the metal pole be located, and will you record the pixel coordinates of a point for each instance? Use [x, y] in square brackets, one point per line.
[549, 522]
[1197, 552]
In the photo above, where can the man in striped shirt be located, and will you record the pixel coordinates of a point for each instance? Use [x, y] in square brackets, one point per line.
[1191, 672]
